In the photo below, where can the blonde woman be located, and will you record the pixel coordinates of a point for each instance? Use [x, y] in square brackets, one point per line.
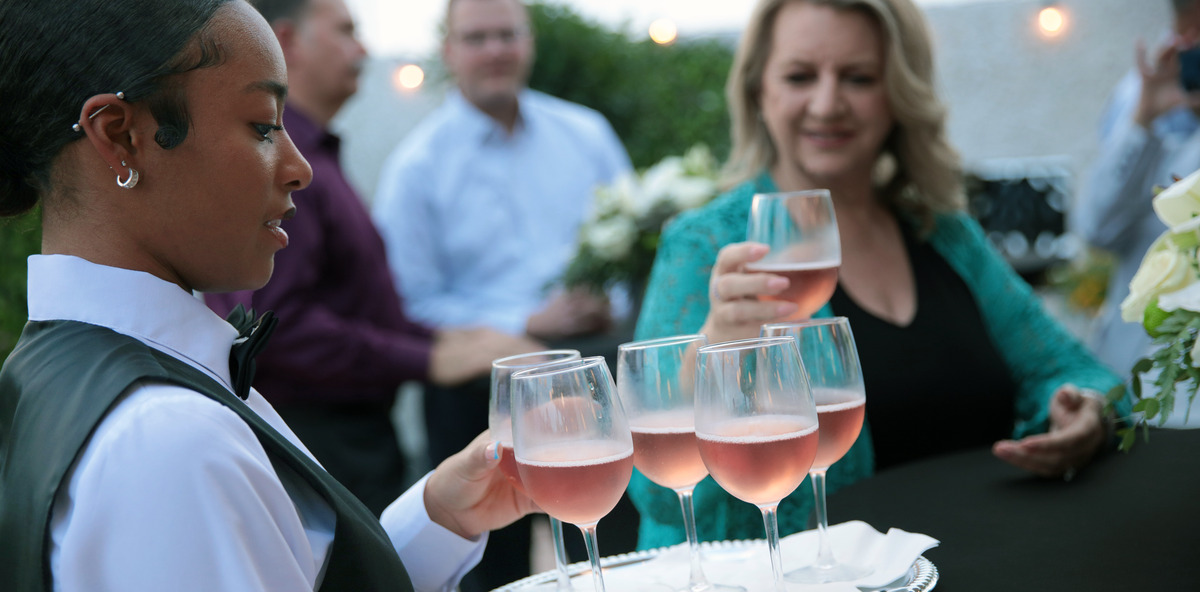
[956, 351]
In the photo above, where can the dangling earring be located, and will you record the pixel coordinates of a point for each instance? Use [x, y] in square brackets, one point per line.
[884, 170]
[131, 181]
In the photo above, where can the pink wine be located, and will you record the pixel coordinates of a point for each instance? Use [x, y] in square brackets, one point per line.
[508, 466]
[759, 459]
[579, 483]
[665, 450]
[840, 413]
[810, 285]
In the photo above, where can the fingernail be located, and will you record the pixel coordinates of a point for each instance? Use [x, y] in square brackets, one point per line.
[777, 283]
[785, 308]
[493, 451]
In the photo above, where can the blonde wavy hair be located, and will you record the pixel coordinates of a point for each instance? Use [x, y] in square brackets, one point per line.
[927, 176]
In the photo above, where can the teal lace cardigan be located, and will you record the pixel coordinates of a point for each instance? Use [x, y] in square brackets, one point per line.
[1040, 354]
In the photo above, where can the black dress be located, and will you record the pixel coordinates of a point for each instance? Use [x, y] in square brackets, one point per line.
[938, 384]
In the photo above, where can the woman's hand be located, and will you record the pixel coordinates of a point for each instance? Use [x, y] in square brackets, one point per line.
[735, 312]
[1076, 433]
[468, 495]
[1161, 89]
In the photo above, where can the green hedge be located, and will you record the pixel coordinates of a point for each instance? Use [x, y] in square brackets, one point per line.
[19, 238]
[661, 100]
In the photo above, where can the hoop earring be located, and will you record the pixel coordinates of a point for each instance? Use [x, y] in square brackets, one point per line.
[131, 181]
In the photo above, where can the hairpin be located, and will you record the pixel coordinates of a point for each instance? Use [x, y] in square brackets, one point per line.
[77, 128]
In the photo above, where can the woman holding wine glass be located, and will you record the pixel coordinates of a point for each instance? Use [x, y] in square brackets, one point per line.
[839, 95]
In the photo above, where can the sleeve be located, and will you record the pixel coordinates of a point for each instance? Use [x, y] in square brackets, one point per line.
[614, 159]
[317, 345]
[1118, 192]
[676, 298]
[406, 215]
[1039, 352]
[174, 492]
[436, 559]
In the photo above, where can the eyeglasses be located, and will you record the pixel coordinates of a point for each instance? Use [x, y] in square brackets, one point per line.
[478, 39]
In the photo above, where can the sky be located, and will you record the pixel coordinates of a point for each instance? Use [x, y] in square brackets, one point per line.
[408, 28]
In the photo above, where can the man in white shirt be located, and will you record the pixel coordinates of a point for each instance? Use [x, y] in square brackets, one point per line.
[1148, 135]
[480, 207]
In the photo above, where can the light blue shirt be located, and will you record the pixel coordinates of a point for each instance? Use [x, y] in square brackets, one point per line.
[479, 222]
[1113, 210]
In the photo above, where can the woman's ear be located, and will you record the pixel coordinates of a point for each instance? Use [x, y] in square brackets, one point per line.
[108, 122]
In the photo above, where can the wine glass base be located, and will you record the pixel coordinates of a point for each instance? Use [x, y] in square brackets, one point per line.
[710, 588]
[839, 572]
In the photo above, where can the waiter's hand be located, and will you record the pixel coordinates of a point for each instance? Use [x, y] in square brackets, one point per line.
[469, 495]
[1076, 433]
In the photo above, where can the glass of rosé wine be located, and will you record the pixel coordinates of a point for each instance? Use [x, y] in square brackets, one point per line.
[756, 424]
[573, 447]
[500, 425]
[801, 230]
[655, 380]
[831, 359]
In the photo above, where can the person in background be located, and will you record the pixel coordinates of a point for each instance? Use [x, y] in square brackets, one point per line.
[1148, 136]
[955, 348]
[345, 344]
[479, 207]
[136, 455]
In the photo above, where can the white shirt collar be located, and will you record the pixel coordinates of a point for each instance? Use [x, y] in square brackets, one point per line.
[480, 125]
[135, 303]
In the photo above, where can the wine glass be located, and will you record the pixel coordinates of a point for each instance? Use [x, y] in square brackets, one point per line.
[829, 355]
[500, 425]
[756, 424]
[655, 381]
[573, 447]
[802, 232]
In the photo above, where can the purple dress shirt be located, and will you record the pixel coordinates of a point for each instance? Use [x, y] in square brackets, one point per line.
[342, 333]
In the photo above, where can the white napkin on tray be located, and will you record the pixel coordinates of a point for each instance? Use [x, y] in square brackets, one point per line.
[748, 563]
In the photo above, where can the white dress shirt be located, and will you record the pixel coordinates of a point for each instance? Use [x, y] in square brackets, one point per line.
[477, 221]
[173, 490]
[1113, 210]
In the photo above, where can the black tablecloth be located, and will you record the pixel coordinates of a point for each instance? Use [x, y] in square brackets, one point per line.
[1128, 521]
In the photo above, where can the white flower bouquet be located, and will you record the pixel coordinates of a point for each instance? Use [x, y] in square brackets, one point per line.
[618, 240]
[1164, 296]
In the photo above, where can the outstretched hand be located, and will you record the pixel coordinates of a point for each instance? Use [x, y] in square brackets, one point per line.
[1076, 433]
[469, 495]
[735, 312]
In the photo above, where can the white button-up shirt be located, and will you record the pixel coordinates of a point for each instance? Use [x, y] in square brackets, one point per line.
[173, 490]
[477, 221]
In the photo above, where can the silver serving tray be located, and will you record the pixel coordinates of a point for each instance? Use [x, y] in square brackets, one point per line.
[921, 577]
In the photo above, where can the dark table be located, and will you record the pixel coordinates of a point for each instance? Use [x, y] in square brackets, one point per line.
[1128, 521]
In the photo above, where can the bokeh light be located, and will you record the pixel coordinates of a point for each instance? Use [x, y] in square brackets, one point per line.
[663, 32]
[1051, 21]
[408, 77]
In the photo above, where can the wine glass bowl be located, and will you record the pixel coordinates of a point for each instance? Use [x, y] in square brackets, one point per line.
[573, 446]
[756, 424]
[656, 383]
[830, 358]
[800, 229]
[500, 426]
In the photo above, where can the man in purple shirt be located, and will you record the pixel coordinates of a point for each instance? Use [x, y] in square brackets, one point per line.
[343, 344]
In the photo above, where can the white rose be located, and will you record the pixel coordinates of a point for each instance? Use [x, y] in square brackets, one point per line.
[631, 197]
[1188, 299]
[611, 239]
[692, 192]
[1163, 270]
[660, 179]
[699, 160]
[1180, 202]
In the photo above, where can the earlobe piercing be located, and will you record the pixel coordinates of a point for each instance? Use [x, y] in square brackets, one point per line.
[133, 175]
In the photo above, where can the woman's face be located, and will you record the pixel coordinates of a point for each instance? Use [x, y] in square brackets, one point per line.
[823, 97]
[211, 206]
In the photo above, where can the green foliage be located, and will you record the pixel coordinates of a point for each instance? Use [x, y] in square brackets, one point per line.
[660, 100]
[19, 238]
[1174, 341]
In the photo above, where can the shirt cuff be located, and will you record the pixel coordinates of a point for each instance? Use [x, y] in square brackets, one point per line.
[436, 558]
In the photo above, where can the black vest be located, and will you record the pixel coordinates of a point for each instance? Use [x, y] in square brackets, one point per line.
[58, 385]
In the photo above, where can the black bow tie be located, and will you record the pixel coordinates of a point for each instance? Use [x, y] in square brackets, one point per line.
[252, 338]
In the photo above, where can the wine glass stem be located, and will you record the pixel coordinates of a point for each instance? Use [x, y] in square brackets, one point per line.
[593, 549]
[697, 580]
[560, 555]
[772, 524]
[825, 558]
